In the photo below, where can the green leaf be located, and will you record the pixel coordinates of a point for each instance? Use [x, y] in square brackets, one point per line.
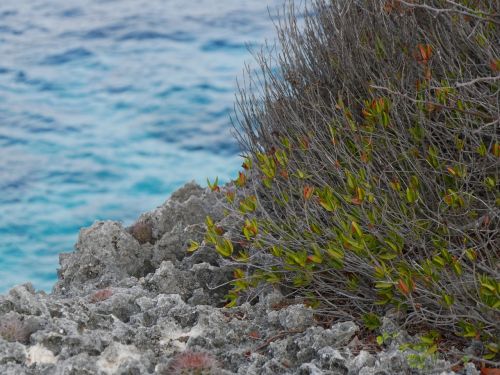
[209, 222]
[242, 256]
[272, 277]
[432, 349]
[457, 267]
[224, 247]
[215, 185]
[492, 347]
[387, 256]
[448, 300]
[355, 227]
[335, 252]
[438, 261]
[384, 285]
[277, 251]
[372, 321]
[315, 259]
[392, 246]
[482, 150]
[193, 246]
[411, 195]
[490, 182]
[248, 205]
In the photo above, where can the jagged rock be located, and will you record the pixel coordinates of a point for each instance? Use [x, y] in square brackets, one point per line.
[39, 354]
[296, 317]
[104, 254]
[187, 206]
[12, 352]
[363, 359]
[122, 359]
[130, 300]
[25, 300]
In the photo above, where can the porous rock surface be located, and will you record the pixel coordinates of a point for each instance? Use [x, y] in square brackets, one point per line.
[129, 300]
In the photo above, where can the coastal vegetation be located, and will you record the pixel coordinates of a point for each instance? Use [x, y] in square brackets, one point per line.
[371, 179]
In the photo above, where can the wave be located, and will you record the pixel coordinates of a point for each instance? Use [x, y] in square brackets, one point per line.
[67, 56]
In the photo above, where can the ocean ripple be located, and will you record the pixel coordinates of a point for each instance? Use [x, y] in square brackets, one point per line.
[108, 106]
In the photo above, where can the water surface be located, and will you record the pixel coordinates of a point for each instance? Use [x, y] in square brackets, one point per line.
[106, 107]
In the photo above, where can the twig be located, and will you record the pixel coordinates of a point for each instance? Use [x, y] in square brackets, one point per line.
[468, 83]
[448, 10]
[438, 105]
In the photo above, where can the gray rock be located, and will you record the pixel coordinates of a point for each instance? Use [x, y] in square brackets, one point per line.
[363, 359]
[104, 254]
[16, 369]
[342, 333]
[130, 300]
[470, 369]
[296, 317]
[15, 327]
[81, 364]
[187, 206]
[169, 279]
[310, 369]
[122, 359]
[25, 301]
[12, 352]
[333, 360]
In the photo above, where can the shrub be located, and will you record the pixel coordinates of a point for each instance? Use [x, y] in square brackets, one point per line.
[371, 177]
[13, 328]
[193, 363]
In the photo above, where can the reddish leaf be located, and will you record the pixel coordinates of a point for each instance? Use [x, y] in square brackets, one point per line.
[308, 191]
[254, 335]
[230, 195]
[356, 201]
[452, 171]
[242, 179]
[490, 371]
[403, 287]
[495, 65]
[448, 199]
[486, 221]
[304, 143]
[496, 150]
[406, 288]
[430, 107]
[428, 73]
[424, 53]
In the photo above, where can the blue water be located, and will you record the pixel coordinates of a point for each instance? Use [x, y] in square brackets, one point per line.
[106, 107]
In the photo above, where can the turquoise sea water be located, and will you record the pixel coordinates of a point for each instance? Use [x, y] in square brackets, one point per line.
[106, 107]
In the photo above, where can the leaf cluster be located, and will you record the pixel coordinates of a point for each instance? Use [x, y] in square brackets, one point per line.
[372, 173]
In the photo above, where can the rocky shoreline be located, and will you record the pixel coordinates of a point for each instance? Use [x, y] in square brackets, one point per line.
[132, 301]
